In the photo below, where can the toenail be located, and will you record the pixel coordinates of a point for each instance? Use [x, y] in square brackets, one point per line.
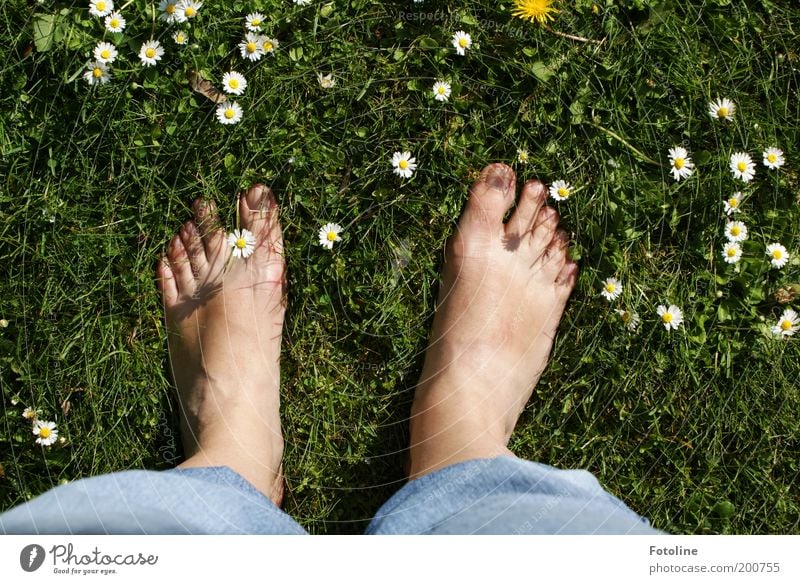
[498, 178]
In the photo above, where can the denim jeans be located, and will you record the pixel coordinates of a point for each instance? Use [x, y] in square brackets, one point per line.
[503, 495]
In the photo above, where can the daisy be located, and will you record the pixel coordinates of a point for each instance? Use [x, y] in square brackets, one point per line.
[462, 41]
[732, 252]
[612, 288]
[560, 190]
[242, 242]
[188, 8]
[736, 231]
[329, 234]
[773, 158]
[229, 113]
[233, 82]
[253, 21]
[251, 47]
[682, 165]
[150, 53]
[302, 2]
[787, 324]
[672, 317]
[778, 254]
[170, 13]
[732, 204]
[534, 10]
[97, 73]
[630, 319]
[268, 45]
[742, 166]
[45, 432]
[522, 156]
[441, 91]
[180, 37]
[403, 164]
[105, 53]
[326, 81]
[722, 109]
[101, 7]
[31, 414]
[115, 22]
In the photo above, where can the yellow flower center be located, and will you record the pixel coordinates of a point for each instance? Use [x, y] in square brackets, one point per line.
[742, 166]
[97, 72]
[736, 230]
[563, 192]
[105, 53]
[179, 38]
[667, 317]
[170, 9]
[251, 47]
[462, 42]
[777, 254]
[331, 236]
[190, 12]
[267, 46]
[403, 164]
[44, 432]
[610, 288]
[233, 83]
[255, 22]
[733, 202]
[772, 157]
[114, 23]
[101, 6]
[679, 162]
[442, 90]
[786, 325]
[723, 112]
[229, 113]
[241, 243]
[150, 53]
[731, 252]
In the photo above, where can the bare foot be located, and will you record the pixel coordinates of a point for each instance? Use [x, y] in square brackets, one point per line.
[503, 292]
[225, 317]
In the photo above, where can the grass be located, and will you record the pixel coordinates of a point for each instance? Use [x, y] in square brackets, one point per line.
[698, 429]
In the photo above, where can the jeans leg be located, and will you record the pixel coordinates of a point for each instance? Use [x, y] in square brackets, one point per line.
[212, 500]
[506, 495]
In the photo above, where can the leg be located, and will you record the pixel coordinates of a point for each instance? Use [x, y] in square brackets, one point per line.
[504, 289]
[224, 317]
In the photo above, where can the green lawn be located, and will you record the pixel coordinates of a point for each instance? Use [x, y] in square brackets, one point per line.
[698, 428]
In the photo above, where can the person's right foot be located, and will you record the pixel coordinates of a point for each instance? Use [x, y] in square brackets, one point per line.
[503, 292]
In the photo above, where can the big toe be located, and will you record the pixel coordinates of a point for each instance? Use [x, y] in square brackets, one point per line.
[258, 210]
[490, 197]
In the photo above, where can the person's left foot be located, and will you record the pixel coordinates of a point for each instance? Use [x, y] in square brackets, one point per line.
[225, 317]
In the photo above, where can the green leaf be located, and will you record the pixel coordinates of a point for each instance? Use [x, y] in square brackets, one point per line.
[44, 26]
[541, 71]
[428, 43]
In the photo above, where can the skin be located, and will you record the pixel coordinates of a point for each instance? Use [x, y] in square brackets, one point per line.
[504, 288]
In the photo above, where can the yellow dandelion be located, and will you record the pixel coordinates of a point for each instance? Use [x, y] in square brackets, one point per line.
[539, 11]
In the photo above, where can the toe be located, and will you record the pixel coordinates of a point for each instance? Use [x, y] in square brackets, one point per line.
[190, 237]
[180, 267]
[543, 229]
[206, 218]
[490, 197]
[258, 210]
[555, 256]
[166, 282]
[530, 201]
[568, 276]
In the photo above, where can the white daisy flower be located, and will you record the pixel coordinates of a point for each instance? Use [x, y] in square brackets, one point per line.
[150, 53]
[101, 7]
[302, 2]
[229, 113]
[31, 414]
[97, 73]
[742, 166]
[522, 156]
[778, 254]
[682, 165]
[180, 37]
[560, 190]
[251, 47]
[733, 203]
[722, 109]
[462, 41]
[612, 288]
[773, 158]
[234, 82]
[788, 324]
[630, 319]
[326, 81]
[329, 234]
[732, 252]
[253, 21]
[671, 317]
[170, 13]
[105, 53]
[403, 164]
[268, 45]
[115, 22]
[188, 8]
[735, 231]
[242, 242]
[45, 432]
[442, 90]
